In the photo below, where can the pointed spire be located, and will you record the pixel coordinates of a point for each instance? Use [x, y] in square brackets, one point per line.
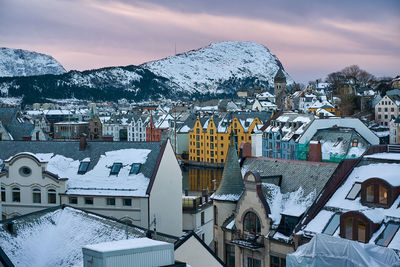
[280, 76]
[232, 185]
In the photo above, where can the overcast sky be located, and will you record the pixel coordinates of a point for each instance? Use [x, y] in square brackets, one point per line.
[311, 38]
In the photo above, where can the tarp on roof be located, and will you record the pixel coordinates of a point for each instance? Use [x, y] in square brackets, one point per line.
[324, 250]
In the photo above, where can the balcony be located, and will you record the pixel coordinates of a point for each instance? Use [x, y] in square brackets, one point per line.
[249, 241]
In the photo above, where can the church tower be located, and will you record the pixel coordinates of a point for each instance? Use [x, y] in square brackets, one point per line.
[280, 89]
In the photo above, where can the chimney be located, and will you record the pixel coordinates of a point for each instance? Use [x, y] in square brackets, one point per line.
[27, 138]
[82, 142]
[245, 148]
[315, 153]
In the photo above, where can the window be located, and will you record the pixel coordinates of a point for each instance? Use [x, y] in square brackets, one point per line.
[287, 224]
[25, 171]
[277, 261]
[251, 262]
[370, 193]
[348, 224]
[230, 255]
[333, 224]
[83, 167]
[383, 195]
[127, 202]
[16, 194]
[3, 194]
[135, 168]
[355, 143]
[251, 223]
[354, 191]
[36, 195]
[116, 167]
[387, 235]
[202, 218]
[110, 201]
[215, 215]
[73, 200]
[51, 196]
[361, 228]
[88, 200]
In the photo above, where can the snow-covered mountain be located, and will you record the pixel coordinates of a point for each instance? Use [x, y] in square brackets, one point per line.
[18, 62]
[205, 69]
[218, 70]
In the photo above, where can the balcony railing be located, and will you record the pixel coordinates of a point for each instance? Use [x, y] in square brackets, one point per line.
[249, 241]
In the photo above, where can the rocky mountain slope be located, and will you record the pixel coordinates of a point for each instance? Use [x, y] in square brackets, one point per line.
[218, 70]
[18, 62]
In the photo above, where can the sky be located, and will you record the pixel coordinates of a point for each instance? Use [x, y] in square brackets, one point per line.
[311, 38]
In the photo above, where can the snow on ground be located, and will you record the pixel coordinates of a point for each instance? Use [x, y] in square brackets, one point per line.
[10, 100]
[57, 238]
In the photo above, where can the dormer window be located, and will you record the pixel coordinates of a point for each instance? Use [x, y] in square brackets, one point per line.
[355, 226]
[83, 167]
[135, 168]
[375, 191]
[116, 167]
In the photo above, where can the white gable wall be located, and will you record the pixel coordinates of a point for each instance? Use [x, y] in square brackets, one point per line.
[166, 195]
[193, 253]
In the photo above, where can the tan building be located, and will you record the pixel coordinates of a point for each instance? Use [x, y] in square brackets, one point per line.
[254, 224]
[387, 109]
[95, 128]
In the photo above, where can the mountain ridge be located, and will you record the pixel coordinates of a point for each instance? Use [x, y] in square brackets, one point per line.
[18, 62]
[218, 70]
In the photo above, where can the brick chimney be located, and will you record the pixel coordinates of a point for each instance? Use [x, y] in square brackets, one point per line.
[315, 153]
[82, 142]
[245, 148]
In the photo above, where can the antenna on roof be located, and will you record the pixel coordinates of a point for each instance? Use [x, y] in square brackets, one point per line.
[175, 48]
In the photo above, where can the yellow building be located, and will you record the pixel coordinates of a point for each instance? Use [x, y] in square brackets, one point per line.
[209, 138]
[326, 107]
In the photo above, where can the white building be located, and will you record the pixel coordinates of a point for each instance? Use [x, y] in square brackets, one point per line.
[387, 109]
[140, 183]
[394, 128]
[126, 127]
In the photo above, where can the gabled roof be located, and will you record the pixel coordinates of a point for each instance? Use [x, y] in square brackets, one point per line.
[182, 241]
[231, 186]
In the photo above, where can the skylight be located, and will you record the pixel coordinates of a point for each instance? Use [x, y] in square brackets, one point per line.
[116, 167]
[83, 167]
[333, 224]
[354, 191]
[387, 235]
[135, 168]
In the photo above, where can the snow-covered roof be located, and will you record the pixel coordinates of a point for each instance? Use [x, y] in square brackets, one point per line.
[64, 158]
[385, 166]
[55, 237]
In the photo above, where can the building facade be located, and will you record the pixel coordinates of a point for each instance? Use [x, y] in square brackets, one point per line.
[387, 109]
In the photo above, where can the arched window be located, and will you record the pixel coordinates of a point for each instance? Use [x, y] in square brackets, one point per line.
[16, 194]
[51, 196]
[383, 195]
[36, 195]
[370, 193]
[251, 223]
